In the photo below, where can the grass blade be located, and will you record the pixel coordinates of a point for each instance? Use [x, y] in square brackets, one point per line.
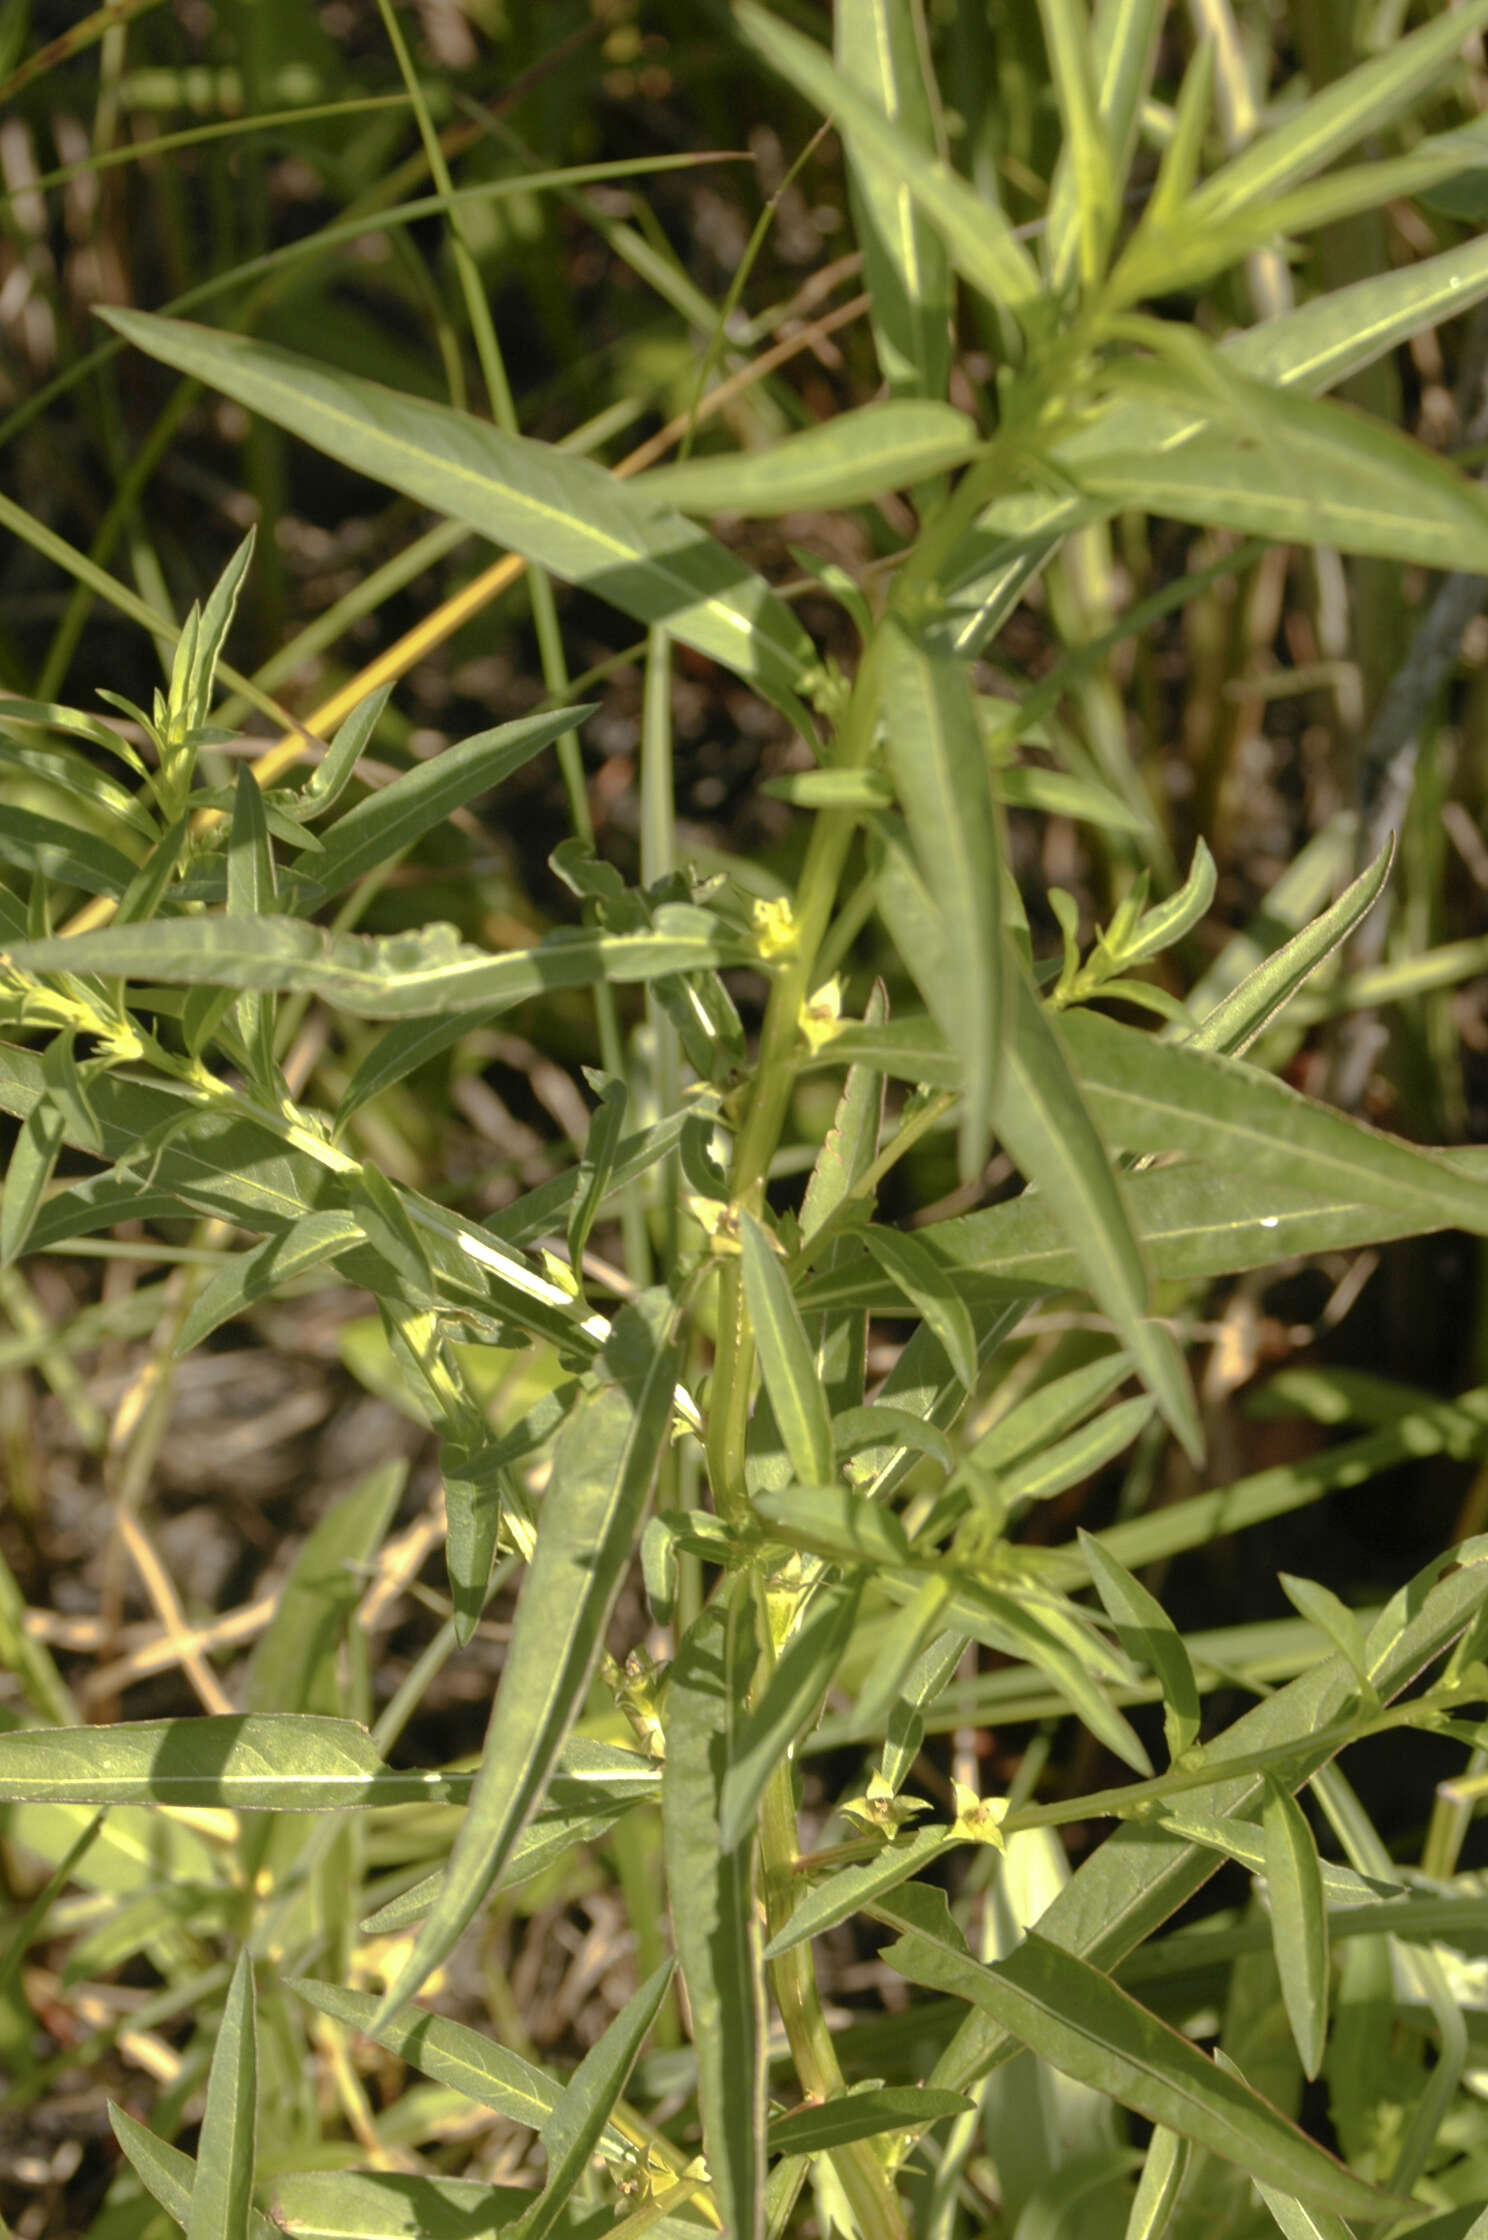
[222, 2198]
[603, 1469]
[787, 1361]
[561, 511]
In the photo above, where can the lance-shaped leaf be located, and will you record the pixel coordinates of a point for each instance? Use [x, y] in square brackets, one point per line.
[864, 1883]
[603, 1468]
[940, 772]
[387, 2205]
[560, 511]
[247, 1762]
[915, 1271]
[1149, 1636]
[222, 2198]
[1044, 1122]
[453, 2054]
[1086, 2026]
[297, 1650]
[1236, 1020]
[391, 820]
[1335, 118]
[572, 2132]
[977, 236]
[852, 457]
[394, 976]
[1140, 1876]
[257, 1274]
[905, 265]
[250, 894]
[791, 1697]
[62, 854]
[713, 1917]
[1299, 1922]
[862, 2115]
[32, 1163]
[1163, 2172]
[787, 1362]
[597, 1166]
[169, 2176]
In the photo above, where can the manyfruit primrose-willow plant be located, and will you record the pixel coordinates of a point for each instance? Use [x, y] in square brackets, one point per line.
[802, 1536]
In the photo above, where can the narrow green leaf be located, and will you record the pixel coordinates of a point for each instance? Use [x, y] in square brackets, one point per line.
[789, 1701]
[1163, 2172]
[222, 2198]
[928, 1675]
[596, 1167]
[915, 1271]
[333, 774]
[477, 1488]
[1139, 1877]
[73, 774]
[596, 1785]
[1076, 1457]
[854, 456]
[875, 1426]
[573, 2130]
[395, 976]
[1337, 117]
[1076, 2018]
[383, 1220]
[713, 1921]
[787, 1362]
[1153, 1096]
[1299, 1922]
[296, 1653]
[980, 241]
[1300, 470]
[451, 2054]
[1298, 2222]
[400, 1052]
[214, 621]
[63, 855]
[1048, 1412]
[603, 1468]
[167, 2175]
[939, 768]
[834, 1521]
[1041, 1631]
[392, 820]
[563, 512]
[900, 1645]
[1079, 244]
[258, 1273]
[250, 894]
[1045, 1123]
[849, 1889]
[242, 1761]
[386, 2205]
[862, 2115]
[1238, 1018]
[33, 1162]
[905, 265]
[1332, 1617]
[1149, 1636]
